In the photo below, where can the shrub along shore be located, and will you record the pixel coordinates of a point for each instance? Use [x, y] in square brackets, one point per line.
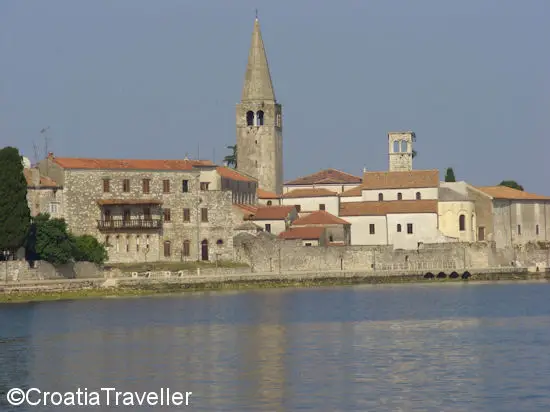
[87, 290]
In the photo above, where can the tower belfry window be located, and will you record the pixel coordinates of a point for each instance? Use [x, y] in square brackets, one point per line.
[250, 118]
[396, 147]
[259, 118]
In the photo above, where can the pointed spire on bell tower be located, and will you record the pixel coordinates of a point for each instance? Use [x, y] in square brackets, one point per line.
[257, 80]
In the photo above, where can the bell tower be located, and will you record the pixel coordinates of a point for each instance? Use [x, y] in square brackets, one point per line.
[259, 121]
[401, 151]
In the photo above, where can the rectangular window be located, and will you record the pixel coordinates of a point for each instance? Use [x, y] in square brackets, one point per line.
[167, 216]
[409, 228]
[204, 214]
[54, 208]
[371, 228]
[185, 186]
[398, 227]
[186, 215]
[106, 185]
[268, 228]
[146, 185]
[167, 248]
[322, 206]
[126, 215]
[126, 185]
[308, 244]
[166, 186]
[537, 230]
[204, 186]
[519, 229]
[186, 248]
[107, 215]
[146, 213]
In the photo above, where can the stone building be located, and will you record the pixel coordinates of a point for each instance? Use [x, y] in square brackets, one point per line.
[152, 210]
[457, 211]
[401, 150]
[337, 231]
[44, 195]
[259, 121]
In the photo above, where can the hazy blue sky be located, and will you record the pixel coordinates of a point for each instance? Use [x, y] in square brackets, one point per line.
[153, 79]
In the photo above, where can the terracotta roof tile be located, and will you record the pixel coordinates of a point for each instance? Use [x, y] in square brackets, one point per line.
[400, 180]
[320, 217]
[44, 180]
[318, 192]
[505, 192]
[305, 233]
[247, 210]
[104, 202]
[384, 208]
[326, 176]
[133, 164]
[272, 212]
[232, 174]
[264, 194]
[355, 192]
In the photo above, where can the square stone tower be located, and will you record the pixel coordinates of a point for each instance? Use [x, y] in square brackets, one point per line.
[259, 122]
[401, 150]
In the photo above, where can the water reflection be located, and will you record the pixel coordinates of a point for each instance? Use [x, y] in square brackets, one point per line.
[352, 349]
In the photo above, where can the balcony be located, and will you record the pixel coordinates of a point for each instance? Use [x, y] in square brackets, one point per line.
[133, 224]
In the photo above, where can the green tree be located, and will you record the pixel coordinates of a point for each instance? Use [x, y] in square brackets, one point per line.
[49, 240]
[414, 153]
[231, 159]
[511, 183]
[88, 249]
[15, 216]
[450, 175]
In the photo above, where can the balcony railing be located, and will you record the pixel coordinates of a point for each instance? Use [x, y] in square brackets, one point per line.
[119, 224]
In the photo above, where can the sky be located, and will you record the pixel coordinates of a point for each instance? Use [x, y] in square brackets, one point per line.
[161, 80]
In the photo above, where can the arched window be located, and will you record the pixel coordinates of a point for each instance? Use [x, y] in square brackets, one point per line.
[167, 248]
[400, 196]
[418, 196]
[219, 242]
[399, 227]
[250, 118]
[404, 146]
[260, 118]
[380, 197]
[462, 223]
[269, 202]
[186, 248]
[396, 147]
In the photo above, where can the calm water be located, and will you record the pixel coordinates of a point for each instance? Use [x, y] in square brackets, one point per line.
[448, 347]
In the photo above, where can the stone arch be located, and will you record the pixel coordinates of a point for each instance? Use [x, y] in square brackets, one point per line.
[404, 146]
[250, 118]
[269, 202]
[399, 196]
[418, 196]
[167, 248]
[186, 247]
[380, 197]
[219, 242]
[260, 118]
[396, 146]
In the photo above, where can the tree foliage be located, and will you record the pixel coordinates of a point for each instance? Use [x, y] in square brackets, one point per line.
[511, 183]
[414, 153]
[50, 240]
[88, 249]
[450, 175]
[15, 215]
[231, 159]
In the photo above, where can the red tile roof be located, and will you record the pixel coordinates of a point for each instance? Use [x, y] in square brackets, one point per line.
[317, 192]
[44, 180]
[133, 164]
[247, 210]
[327, 176]
[272, 212]
[264, 194]
[104, 202]
[305, 233]
[384, 208]
[505, 192]
[401, 180]
[320, 217]
[232, 174]
[355, 192]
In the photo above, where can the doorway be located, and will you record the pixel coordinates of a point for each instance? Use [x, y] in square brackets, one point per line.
[204, 249]
[480, 233]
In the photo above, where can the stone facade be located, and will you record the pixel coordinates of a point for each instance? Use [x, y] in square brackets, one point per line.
[43, 194]
[259, 122]
[182, 215]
